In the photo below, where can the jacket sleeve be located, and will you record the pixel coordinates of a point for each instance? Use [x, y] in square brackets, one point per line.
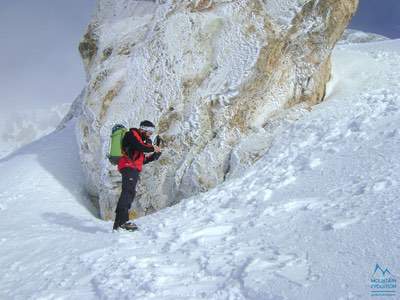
[131, 142]
[152, 157]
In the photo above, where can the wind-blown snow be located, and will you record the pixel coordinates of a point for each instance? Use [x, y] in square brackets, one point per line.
[351, 36]
[309, 220]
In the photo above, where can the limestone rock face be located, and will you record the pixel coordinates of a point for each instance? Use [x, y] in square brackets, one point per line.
[208, 73]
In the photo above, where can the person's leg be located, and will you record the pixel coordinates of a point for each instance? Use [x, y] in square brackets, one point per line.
[129, 181]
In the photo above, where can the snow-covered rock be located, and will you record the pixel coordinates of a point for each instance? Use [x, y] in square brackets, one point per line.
[209, 73]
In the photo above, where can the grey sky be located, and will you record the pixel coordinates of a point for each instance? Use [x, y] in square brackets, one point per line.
[40, 63]
[39, 60]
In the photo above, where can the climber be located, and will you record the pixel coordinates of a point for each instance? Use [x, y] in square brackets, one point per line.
[135, 143]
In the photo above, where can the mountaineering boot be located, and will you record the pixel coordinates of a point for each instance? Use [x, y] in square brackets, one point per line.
[115, 226]
[129, 226]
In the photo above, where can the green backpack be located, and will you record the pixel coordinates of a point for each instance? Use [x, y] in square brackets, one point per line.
[118, 132]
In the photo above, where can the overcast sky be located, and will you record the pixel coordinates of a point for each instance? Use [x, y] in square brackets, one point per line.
[39, 58]
[40, 63]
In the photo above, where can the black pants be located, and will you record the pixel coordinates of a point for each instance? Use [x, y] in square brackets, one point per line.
[129, 180]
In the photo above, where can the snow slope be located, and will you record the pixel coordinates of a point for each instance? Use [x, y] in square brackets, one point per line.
[310, 220]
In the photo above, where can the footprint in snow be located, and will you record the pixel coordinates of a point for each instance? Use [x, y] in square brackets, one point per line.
[391, 133]
[315, 163]
[380, 185]
[359, 189]
[340, 224]
[295, 204]
[289, 266]
[204, 235]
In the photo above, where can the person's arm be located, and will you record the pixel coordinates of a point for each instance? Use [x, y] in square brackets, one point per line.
[151, 157]
[135, 143]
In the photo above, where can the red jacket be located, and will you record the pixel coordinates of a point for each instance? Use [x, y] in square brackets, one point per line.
[134, 146]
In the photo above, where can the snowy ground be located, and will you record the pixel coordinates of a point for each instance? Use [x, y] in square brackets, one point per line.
[310, 220]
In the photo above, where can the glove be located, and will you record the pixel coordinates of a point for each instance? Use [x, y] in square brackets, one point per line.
[156, 155]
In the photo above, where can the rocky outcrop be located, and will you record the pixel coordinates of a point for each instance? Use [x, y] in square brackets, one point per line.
[209, 73]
